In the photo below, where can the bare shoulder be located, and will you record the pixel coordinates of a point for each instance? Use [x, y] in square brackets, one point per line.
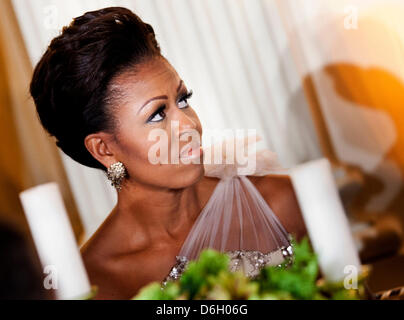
[97, 257]
[272, 183]
[102, 255]
[115, 236]
[279, 193]
[101, 243]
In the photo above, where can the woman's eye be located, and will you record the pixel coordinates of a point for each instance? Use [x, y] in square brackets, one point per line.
[183, 102]
[158, 116]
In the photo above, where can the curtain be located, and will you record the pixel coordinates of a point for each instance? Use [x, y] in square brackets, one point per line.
[27, 156]
[235, 56]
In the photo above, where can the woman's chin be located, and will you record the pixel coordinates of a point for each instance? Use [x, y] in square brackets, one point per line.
[190, 174]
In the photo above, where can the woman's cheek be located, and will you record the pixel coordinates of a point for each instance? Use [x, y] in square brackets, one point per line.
[156, 151]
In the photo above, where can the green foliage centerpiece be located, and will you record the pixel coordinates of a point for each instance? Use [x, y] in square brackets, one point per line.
[209, 278]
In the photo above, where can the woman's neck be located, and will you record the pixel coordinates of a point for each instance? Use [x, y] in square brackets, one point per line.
[162, 214]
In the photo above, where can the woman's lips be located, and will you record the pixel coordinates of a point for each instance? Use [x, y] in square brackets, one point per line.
[192, 152]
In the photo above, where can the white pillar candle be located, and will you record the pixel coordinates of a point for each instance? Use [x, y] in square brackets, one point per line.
[55, 241]
[325, 219]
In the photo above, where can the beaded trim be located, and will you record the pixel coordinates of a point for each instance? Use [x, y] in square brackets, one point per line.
[250, 262]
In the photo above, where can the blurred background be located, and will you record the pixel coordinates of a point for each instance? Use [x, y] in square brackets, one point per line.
[315, 78]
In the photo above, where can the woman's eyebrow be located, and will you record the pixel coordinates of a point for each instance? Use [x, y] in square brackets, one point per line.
[158, 98]
[150, 100]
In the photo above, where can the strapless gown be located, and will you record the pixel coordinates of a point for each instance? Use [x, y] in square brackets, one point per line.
[236, 219]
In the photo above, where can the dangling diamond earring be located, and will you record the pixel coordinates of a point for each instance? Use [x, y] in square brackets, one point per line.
[116, 173]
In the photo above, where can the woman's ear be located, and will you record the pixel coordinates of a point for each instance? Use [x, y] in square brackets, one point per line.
[99, 145]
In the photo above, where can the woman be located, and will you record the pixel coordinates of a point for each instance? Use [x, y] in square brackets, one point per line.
[101, 88]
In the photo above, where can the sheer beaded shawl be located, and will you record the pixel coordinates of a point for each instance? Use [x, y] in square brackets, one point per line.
[237, 220]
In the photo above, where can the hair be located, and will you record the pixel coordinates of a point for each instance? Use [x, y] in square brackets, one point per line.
[71, 83]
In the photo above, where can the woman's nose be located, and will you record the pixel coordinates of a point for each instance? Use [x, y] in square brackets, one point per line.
[185, 122]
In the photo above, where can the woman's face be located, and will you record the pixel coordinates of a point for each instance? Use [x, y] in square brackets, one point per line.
[154, 123]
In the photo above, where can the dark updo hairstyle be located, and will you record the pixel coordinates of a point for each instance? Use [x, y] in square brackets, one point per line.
[70, 84]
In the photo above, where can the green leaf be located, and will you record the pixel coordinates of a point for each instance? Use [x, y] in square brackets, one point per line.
[195, 277]
[154, 291]
[298, 279]
[230, 285]
[209, 278]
